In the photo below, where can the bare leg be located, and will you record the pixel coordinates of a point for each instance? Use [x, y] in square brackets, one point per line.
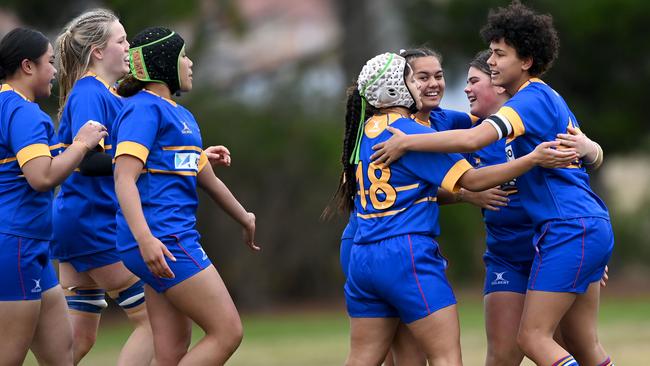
[438, 335]
[138, 349]
[502, 317]
[405, 348]
[84, 324]
[52, 342]
[205, 299]
[579, 328]
[18, 320]
[542, 313]
[370, 339]
[171, 328]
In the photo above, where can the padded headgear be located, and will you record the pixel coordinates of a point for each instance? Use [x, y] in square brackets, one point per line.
[381, 82]
[155, 56]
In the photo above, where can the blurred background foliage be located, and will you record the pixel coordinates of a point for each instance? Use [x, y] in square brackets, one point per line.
[270, 78]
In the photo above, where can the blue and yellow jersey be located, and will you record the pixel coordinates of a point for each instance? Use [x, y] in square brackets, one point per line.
[85, 207]
[401, 198]
[26, 133]
[509, 230]
[350, 228]
[538, 113]
[167, 139]
[447, 119]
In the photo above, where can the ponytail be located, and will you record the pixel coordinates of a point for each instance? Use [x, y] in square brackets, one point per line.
[74, 46]
[129, 86]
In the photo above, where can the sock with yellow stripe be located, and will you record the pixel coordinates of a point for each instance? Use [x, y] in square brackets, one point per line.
[566, 361]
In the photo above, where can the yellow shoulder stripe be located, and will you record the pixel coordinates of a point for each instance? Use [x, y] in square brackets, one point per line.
[30, 152]
[450, 182]
[133, 149]
[203, 161]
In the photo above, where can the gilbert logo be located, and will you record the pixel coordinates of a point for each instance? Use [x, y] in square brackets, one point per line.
[186, 129]
[205, 256]
[499, 280]
[37, 285]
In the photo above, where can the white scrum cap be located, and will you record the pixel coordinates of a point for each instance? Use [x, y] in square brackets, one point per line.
[381, 81]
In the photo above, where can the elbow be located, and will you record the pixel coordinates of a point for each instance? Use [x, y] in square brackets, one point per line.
[470, 181]
[41, 185]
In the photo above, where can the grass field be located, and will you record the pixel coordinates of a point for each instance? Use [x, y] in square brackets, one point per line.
[318, 338]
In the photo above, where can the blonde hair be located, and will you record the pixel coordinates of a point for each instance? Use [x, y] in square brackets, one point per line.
[74, 46]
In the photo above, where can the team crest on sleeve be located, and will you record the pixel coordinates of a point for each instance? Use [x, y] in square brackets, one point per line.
[187, 161]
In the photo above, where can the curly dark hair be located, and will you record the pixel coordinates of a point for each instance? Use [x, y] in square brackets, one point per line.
[531, 34]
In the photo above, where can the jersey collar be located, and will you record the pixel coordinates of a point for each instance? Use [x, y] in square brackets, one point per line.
[7, 87]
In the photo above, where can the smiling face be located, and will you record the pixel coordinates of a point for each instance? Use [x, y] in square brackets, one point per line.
[484, 98]
[114, 57]
[508, 70]
[427, 71]
[185, 72]
[44, 73]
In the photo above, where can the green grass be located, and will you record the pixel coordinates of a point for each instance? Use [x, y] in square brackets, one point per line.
[321, 338]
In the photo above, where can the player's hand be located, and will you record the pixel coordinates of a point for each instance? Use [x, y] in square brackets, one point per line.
[576, 140]
[218, 155]
[603, 280]
[249, 232]
[490, 199]
[91, 133]
[153, 253]
[390, 150]
[547, 156]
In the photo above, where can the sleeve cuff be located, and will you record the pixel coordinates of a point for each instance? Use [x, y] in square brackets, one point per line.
[517, 124]
[203, 161]
[30, 152]
[450, 182]
[133, 149]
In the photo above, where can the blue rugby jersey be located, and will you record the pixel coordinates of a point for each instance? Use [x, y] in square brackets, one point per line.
[537, 113]
[448, 119]
[401, 198]
[350, 228]
[167, 139]
[85, 207]
[509, 230]
[26, 132]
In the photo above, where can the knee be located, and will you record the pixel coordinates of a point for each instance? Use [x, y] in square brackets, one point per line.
[82, 343]
[172, 353]
[527, 339]
[504, 353]
[235, 335]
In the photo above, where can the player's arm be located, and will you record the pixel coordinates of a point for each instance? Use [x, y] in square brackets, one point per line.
[467, 140]
[588, 150]
[44, 172]
[544, 155]
[490, 199]
[127, 171]
[222, 196]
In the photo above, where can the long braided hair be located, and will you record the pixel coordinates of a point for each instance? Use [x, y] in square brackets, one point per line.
[343, 199]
